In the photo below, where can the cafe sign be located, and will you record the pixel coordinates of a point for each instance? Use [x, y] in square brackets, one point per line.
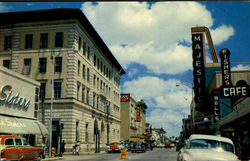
[241, 89]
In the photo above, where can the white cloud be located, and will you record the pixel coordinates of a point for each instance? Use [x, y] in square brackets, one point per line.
[132, 72]
[241, 67]
[168, 104]
[151, 36]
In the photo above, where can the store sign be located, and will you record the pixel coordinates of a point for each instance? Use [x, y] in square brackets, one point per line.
[125, 98]
[241, 89]
[138, 114]
[7, 97]
[11, 123]
[198, 68]
[216, 104]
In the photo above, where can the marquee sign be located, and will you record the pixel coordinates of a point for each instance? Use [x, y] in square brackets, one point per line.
[198, 67]
[241, 89]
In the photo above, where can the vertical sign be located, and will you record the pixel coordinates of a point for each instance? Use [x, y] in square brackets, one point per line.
[138, 114]
[225, 67]
[216, 104]
[198, 67]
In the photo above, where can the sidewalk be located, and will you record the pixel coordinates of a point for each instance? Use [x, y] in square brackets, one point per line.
[70, 156]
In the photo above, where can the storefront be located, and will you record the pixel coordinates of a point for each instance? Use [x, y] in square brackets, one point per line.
[19, 106]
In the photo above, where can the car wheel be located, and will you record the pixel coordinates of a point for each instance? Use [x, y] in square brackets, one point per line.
[39, 158]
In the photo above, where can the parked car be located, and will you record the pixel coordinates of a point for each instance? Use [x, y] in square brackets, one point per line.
[207, 147]
[168, 144]
[17, 148]
[138, 146]
[114, 147]
[126, 145]
[180, 144]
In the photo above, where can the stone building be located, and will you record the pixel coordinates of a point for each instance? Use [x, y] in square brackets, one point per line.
[86, 78]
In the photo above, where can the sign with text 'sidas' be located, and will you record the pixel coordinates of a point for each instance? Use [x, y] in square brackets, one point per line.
[198, 67]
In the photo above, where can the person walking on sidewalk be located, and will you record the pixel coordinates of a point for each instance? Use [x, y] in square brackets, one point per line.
[77, 147]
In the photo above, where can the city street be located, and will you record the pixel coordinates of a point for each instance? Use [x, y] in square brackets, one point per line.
[159, 154]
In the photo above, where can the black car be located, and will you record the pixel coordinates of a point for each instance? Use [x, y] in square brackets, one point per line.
[138, 146]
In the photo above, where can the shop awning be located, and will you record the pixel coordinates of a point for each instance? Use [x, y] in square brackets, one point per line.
[13, 125]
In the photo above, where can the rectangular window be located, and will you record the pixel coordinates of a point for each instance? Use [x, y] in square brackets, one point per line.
[58, 64]
[42, 65]
[94, 60]
[43, 90]
[88, 52]
[83, 94]
[84, 48]
[7, 42]
[79, 67]
[57, 89]
[44, 40]
[97, 102]
[79, 43]
[87, 96]
[83, 71]
[101, 67]
[86, 134]
[28, 41]
[6, 63]
[88, 75]
[27, 66]
[59, 39]
[94, 80]
[97, 83]
[98, 67]
[78, 91]
[94, 100]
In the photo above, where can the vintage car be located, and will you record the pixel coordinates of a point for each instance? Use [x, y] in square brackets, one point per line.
[207, 147]
[17, 148]
[138, 146]
[114, 147]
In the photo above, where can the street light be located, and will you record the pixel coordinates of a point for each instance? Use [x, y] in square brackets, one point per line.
[192, 88]
[51, 106]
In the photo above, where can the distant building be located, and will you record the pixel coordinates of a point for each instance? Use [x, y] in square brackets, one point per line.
[86, 88]
[141, 117]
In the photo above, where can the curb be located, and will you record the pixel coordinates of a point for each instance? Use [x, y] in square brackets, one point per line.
[54, 158]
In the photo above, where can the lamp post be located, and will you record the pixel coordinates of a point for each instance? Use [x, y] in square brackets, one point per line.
[192, 88]
[51, 106]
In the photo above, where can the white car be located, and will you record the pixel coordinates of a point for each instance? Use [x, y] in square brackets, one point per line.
[207, 148]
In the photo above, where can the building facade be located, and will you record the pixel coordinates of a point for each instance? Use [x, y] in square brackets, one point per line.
[128, 116]
[86, 78]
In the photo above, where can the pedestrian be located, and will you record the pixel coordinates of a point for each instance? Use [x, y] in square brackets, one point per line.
[62, 147]
[77, 147]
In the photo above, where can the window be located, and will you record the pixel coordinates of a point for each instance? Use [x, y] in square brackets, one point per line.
[58, 64]
[94, 80]
[97, 102]
[88, 53]
[94, 60]
[78, 91]
[59, 39]
[79, 67]
[43, 90]
[77, 131]
[87, 96]
[84, 48]
[28, 41]
[94, 100]
[25, 142]
[98, 67]
[7, 42]
[6, 63]
[88, 75]
[79, 43]
[18, 141]
[86, 134]
[44, 40]
[104, 70]
[101, 67]
[57, 89]
[9, 142]
[83, 94]
[83, 71]
[97, 82]
[42, 65]
[27, 66]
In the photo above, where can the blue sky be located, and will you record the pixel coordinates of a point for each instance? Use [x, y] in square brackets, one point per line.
[153, 44]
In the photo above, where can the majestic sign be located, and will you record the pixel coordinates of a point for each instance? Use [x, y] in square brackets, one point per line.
[17, 101]
[228, 90]
[198, 67]
[125, 98]
[138, 114]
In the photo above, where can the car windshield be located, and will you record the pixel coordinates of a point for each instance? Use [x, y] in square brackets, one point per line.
[208, 144]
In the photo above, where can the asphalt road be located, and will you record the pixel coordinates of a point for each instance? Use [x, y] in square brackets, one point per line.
[158, 154]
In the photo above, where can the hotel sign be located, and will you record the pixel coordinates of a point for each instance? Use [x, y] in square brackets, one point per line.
[198, 67]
